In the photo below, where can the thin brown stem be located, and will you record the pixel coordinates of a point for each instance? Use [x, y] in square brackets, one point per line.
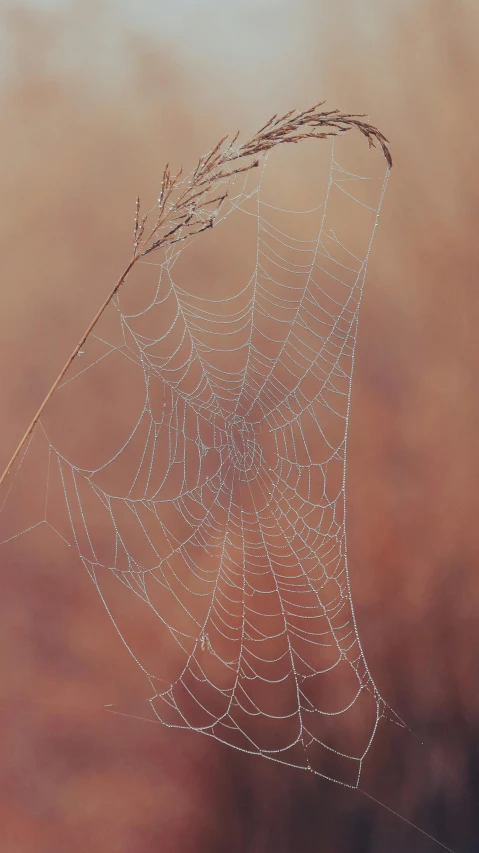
[60, 376]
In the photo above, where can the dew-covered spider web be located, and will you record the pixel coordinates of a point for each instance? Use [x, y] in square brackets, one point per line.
[195, 459]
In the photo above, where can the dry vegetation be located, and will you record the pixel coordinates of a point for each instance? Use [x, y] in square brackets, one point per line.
[197, 205]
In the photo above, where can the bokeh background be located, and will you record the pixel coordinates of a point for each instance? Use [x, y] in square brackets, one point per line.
[95, 97]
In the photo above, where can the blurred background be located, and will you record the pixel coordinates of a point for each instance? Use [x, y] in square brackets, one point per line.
[95, 97]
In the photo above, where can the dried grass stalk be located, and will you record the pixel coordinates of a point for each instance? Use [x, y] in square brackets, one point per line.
[190, 207]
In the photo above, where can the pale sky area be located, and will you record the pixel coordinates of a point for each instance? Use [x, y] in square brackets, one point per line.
[236, 38]
[234, 35]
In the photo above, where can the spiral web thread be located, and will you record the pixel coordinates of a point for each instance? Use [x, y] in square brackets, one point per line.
[229, 523]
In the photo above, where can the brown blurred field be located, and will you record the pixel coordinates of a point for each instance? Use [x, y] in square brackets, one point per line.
[91, 111]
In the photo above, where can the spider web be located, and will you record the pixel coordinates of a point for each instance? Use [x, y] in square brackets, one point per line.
[195, 459]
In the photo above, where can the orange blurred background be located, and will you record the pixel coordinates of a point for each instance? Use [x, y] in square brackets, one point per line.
[95, 98]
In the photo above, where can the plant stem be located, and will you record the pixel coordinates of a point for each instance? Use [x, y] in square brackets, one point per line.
[59, 378]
